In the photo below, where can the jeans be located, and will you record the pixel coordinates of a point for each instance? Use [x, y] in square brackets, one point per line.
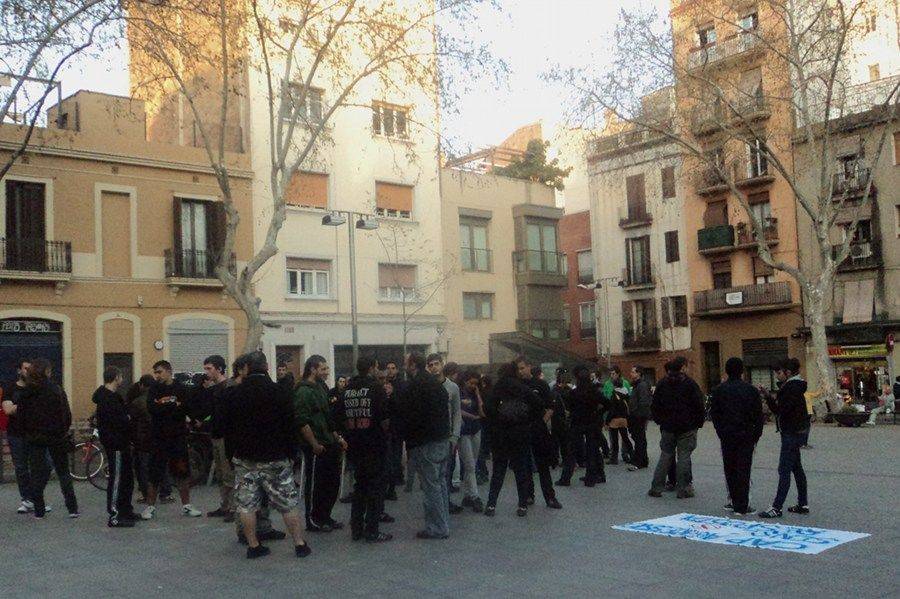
[638, 429]
[40, 474]
[789, 463]
[469, 446]
[432, 462]
[627, 449]
[671, 445]
[18, 451]
[519, 459]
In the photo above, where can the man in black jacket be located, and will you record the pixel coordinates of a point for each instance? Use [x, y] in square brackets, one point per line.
[678, 409]
[114, 426]
[639, 403]
[792, 420]
[257, 417]
[736, 413]
[425, 410]
[541, 440]
[584, 411]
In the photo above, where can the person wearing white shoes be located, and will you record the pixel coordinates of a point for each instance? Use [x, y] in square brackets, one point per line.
[166, 402]
[18, 446]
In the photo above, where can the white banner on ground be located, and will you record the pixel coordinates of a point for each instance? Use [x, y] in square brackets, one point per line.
[744, 533]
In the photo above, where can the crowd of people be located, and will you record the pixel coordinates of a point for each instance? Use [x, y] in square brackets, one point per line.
[274, 442]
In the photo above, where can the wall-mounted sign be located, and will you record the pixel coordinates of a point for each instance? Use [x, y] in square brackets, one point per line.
[876, 350]
[735, 298]
[29, 326]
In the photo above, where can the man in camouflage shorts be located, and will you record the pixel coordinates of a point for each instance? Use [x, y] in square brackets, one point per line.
[257, 417]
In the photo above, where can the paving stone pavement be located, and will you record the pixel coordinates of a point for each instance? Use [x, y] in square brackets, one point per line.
[853, 479]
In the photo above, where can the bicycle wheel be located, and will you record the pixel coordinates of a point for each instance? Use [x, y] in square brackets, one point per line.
[199, 466]
[98, 471]
[80, 458]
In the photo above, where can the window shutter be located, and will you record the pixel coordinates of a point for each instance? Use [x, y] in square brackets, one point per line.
[758, 198]
[761, 269]
[896, 147]
[389, 196]
[308, 190]
[634, 189]
[721, 266]
[627, 318]
[397, 275]
[668, 182]
[176, 213]
[716, 214]
[650, 313]
[664, 305]
[376, 119]
[681, 317]
[307, 264]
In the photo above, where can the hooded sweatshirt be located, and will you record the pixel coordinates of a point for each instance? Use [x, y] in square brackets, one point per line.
[112, 419]
[789, 406]
[44, 414]
[678, 405]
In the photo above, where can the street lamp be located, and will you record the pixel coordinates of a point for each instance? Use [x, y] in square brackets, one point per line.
[364, 222]
[598, 284]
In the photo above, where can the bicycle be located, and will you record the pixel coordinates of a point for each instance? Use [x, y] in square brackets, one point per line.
[88, 462]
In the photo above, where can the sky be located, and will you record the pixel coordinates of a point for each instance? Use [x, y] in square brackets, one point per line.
[531, 36]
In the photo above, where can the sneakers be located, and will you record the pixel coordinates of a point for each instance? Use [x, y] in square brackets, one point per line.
[258, 551]
[522, 511]
[312, 527]
[74, 515]
[347, 498]
[25, 507]
[302, 550]
[685, 493]
[335, 525]
[728, 507]
[381, 537]
[217, 513]
[148, 512]
[476, 505]
[554, 504]
[490, 511]
[770, 513]
[799, 509]
[190, 511]
[669, 487]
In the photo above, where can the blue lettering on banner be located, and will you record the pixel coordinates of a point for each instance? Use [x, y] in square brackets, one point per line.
[740, 533]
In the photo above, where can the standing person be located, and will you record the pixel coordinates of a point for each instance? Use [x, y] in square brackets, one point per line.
[559, 423]
[216, 383]
[617, 422]
[167, 404]
[45, 420]
[435, 366]
[141, 438]
[322, 446]
[257, 418]
[114, 427]
[392, 378]
[509, 414]
[360, 414]
[393, 441]
[585, 401]
[485, 388]
[639, 404]
[792, 421]
[472, 408]
[284, 376]
[736, 413]
[18, 446]
[541, 441]
[613, 381]
[678, 408]
[425, 410]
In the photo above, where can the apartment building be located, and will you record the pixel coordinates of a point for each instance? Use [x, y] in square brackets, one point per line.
[108, 244]
[579, 303]
[637, 188]
[501, 236]
[730, 100]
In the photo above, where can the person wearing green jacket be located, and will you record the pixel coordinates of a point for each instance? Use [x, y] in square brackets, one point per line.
[609, 388]
[321, 444]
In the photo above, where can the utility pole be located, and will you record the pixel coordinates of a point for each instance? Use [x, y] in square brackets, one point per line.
[605, 283]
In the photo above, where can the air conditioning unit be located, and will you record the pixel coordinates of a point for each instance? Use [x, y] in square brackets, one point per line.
[861, 251]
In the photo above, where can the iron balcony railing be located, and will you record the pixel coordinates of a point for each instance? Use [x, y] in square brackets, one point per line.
[539, 261]
[645, 339]
[476, 259]
[35, 255]
[863, 255]
[193, 264]
[850, 184]
[746, 234]
[745, 296]
[637, 275]
[725, 48]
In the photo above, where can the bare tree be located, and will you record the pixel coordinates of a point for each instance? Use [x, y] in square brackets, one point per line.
[217, 55]
[38, 38]
[805, 80]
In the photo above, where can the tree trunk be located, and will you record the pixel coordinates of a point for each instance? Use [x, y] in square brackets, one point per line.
[821, 361]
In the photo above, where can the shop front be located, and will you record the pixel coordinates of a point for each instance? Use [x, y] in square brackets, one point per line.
[862, 370]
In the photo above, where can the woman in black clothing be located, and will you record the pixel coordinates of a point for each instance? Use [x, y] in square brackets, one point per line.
[45, 419]
[509, 413]
[617, 421]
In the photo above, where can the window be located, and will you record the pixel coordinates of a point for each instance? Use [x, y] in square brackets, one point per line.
[473, 246]
[721, 274]
[749, 22]
[762, 211]
[672, 254]
[674, 311]
[706, 36]
[668, 182]
[397, 282]
[25, 226]
[871, 22]
[541, 247]
[762, 272]
[389, 120]
[757, 165]
[862, 234]
[644, 317]
[874, 72]
[307, 190]
[308, 105]
[587, 314]
[392, 200]
[564, 264]
[478, 306]
[716, 214]
[308, 278]
[636, 197]
[585, 267]
[637, 258]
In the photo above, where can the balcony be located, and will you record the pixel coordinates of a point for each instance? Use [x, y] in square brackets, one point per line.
[634, 218]
[863, 256]
[708, 182]
[717, 239]
[398, 294]
[746, 298]
[746, 235]
[543, 329]
[192, 268]
[724, 51]
[476, 259]
[646, 340]
[536, 267]
[748, 174]
[717, 115]
[629, 141]
[638, 277]
[29, 259]
[849, 186]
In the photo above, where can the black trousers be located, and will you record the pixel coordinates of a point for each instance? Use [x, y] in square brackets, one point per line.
[120, 485]
[542, 454]
[371, 472]
[638, 429]
[321, 483]
[40, 475]
[627, 449]
[601, 439]
[587, 436]
[737, 460]
[518, 458]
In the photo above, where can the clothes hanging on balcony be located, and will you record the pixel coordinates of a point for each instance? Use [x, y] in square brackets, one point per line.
[859, 301]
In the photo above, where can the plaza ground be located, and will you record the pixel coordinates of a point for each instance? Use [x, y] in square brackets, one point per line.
[854, 477]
